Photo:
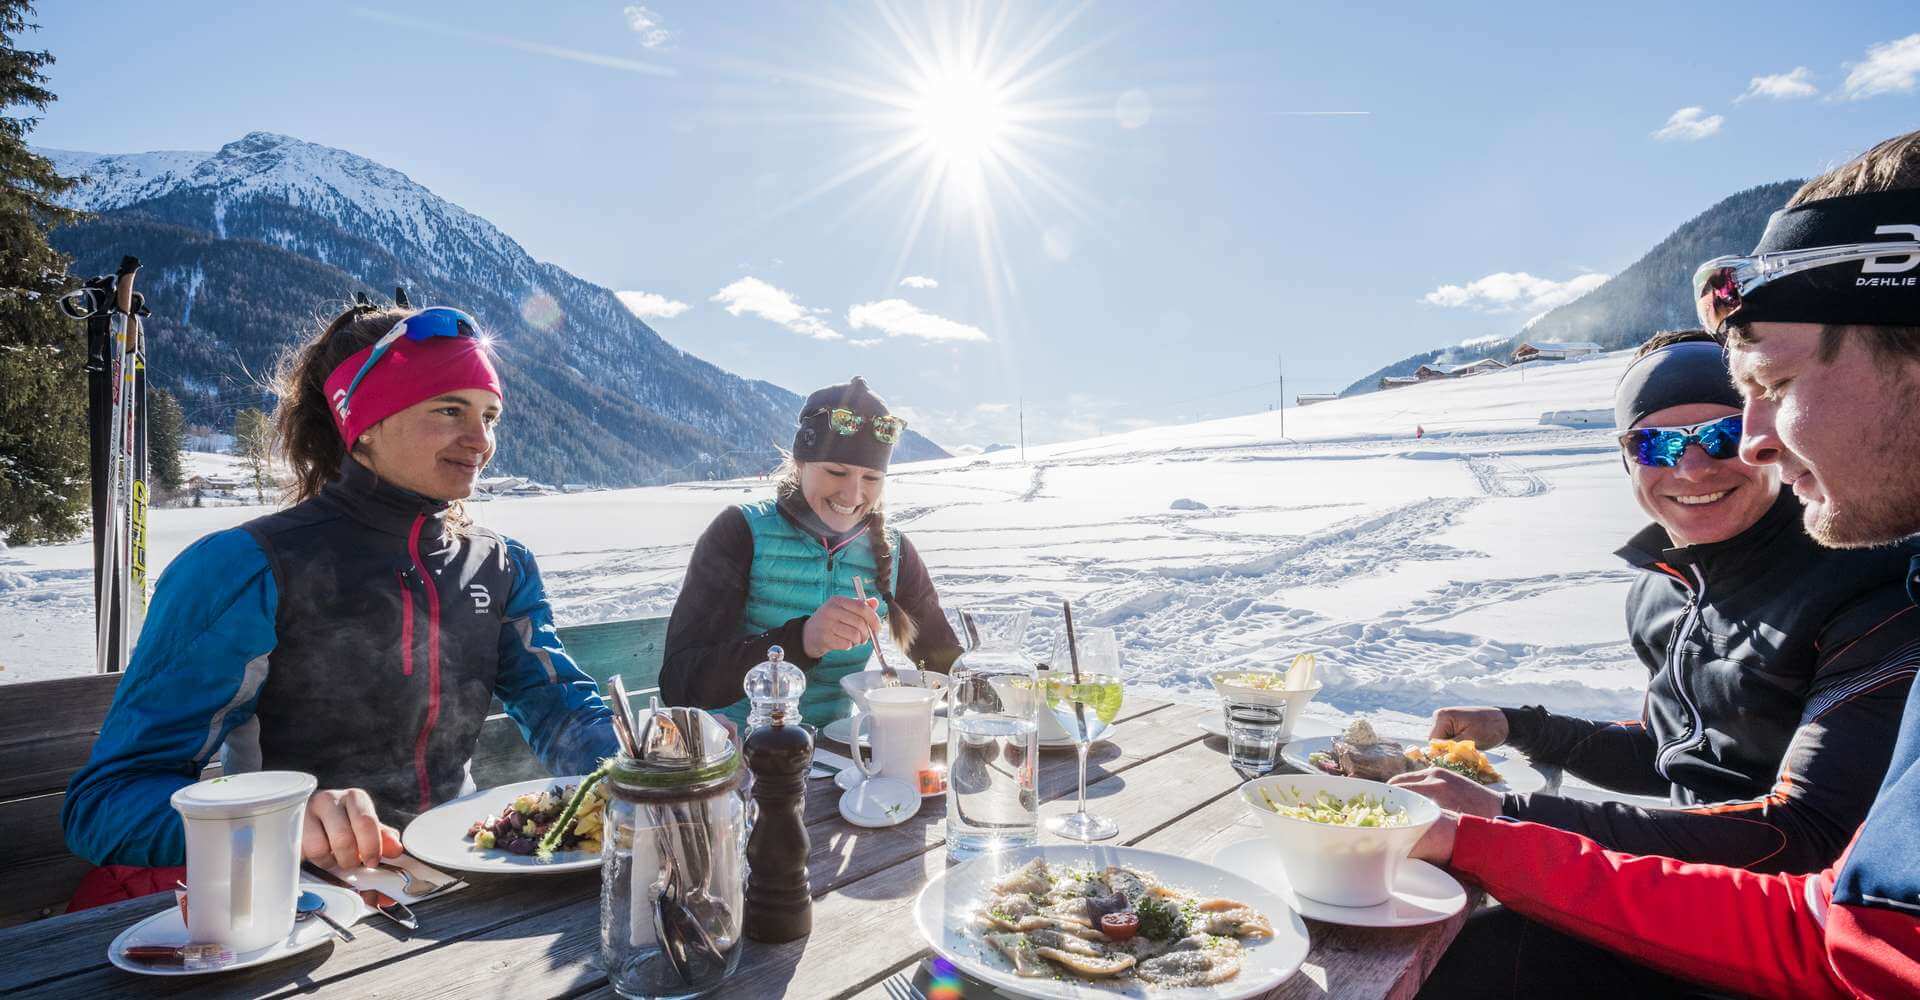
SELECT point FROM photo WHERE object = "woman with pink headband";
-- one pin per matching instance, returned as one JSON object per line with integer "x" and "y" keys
{"x": 360, "y": 634}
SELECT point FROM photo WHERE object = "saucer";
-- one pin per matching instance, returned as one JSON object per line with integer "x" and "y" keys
{"x": 167, "y": 929}
{"x": 1422, "y": 893}
{"x": 879, "y": 802}
{"x": 850, "y": 778}
{"x": 841, "y": 731}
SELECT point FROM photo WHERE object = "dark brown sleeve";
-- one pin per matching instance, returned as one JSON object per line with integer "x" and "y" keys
{"x": 706, "y": 659}
{"x": 934, "y": 645}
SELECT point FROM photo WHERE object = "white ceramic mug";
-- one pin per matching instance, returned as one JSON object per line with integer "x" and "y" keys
{"x": 243, "y": 856}
{"x": 898, "y": 724}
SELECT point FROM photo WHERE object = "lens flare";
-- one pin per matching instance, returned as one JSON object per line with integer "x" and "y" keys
{"x": 542, "y": 312}
{"x": 943, "y": 982}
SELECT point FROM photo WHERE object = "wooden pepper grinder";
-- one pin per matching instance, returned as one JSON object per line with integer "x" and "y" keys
{"x": 779, "y": 904}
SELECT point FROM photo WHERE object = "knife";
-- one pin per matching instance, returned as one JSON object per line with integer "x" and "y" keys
{"x": 388, "y": 906}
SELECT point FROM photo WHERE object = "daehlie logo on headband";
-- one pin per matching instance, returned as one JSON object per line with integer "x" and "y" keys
{"x": 1891, "y": 265}
{"x": 340, "y": 404}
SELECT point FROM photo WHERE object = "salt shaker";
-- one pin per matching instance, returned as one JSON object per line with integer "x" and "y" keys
{"x": 779, "y": 752}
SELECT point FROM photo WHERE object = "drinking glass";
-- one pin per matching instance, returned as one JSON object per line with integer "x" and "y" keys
{"x": 1253, "y": 738}
{"x": 1084, "y": 709}
{"x": 992, "y": 737}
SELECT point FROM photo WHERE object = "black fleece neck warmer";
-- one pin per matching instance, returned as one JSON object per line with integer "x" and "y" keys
{"x": 1693, "y": 371}
{"x": 1883, "y": 291}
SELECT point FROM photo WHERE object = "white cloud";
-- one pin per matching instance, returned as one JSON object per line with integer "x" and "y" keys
{"x": 1513, "y": 291}
{"x": 646, "y": 24}
{"x": 1689, "y": 125}
{"x": 993, "y": 407}
{"x": 756, "y": 297}
{"x": 1890, "y": 67}
{"x": 1781, "y": 86}
{"x": 900, "y": 318}
{"x": 651, "y": 305}
{"x": 918, "y": 281}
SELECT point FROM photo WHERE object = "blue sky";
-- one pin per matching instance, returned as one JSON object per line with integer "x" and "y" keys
{"x": 1153, "y": 219}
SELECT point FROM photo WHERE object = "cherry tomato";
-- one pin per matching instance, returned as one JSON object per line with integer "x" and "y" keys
{"x": 1119, "y": 926}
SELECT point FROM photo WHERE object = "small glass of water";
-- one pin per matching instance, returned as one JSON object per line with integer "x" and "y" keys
{"x": 1253, "y": 738}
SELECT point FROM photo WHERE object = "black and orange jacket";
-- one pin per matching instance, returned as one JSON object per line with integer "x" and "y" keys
{"x": 1778, "y": 673}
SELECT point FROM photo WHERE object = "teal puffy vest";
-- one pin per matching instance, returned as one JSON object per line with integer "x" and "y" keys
{"x": 792, "y": 575}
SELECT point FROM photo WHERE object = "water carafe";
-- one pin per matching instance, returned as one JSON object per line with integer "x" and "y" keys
{"x": 992, "y": 737}
{"x": 671, "y": 885}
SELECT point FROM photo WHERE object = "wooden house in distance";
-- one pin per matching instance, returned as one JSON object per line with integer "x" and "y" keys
{"x": 1548, "y": 350}
{"x": 1427, "y": 373}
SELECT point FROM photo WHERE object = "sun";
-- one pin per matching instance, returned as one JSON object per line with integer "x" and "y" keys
{"x": 960, "y": 118}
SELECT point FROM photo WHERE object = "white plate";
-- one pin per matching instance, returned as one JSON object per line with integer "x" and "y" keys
{"x": 166, "y": 928}
{"x": 439, "y": 835}
{"x": 942, "y": 909}
{"x": 841, "y": 731}
{"x": 1517, "y": 774}
{"x": 1422, "y": 894}
{"x": 879, "y": 802}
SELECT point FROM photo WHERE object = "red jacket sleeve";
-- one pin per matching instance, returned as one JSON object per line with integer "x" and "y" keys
{"x": 1768, "y": 935}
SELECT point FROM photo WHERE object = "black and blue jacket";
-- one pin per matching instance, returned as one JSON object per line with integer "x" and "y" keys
{"x": 355, "y": 637}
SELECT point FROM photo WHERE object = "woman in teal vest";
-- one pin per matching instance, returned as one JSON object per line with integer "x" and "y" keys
{"x": 782, "y": 571}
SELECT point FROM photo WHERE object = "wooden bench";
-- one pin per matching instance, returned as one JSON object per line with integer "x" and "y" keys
{"x": 47, "y": 729}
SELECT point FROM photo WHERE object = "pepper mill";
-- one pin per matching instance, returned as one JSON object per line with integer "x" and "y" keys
{"x": 779, "y": 904}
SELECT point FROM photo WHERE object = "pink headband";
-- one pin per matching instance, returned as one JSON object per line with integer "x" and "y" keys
{"x": 409, "y": 372}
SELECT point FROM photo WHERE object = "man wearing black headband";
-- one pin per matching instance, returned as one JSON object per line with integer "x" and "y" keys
{"x": 1828, "y": 360}
{"x": 1777, "y": 677}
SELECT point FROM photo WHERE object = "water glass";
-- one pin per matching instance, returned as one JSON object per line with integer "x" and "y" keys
{"x": 1253, "y": 738}
{"x": 992, "y": 737}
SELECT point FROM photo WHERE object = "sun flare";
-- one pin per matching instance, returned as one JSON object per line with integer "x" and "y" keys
{"x": 960, "y": 117}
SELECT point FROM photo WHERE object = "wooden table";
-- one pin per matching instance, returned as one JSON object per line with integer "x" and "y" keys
{"x": 1165, "y": 781}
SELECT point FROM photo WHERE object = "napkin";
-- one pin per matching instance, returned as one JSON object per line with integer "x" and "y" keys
{"x": 393, "y": 885}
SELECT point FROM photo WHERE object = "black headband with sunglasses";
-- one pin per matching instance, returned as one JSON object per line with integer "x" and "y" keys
{"x": 1851, "y": 260}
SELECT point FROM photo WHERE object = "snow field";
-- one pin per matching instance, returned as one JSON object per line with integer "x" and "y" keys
{"x": 1472, "y": 565}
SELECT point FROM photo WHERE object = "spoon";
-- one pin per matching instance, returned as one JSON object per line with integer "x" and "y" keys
{"x": 312, "y": 904}
{"x": 889, "y": 677}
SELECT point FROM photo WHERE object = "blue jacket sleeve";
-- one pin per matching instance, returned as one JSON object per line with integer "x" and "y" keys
{"x": 556, "y": 705}
{"x": 196, "y": 673}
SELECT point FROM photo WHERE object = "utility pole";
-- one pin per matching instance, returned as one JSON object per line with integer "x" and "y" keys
{"x": 1283, "y": 396}
{"x": 1023, "y": 430}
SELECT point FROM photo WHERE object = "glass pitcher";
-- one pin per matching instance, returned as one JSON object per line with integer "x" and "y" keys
{"x": 992, "y": 736}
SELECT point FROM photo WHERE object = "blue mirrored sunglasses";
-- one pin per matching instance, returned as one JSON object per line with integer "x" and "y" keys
{"x": 439, "y": 321}
{"x": 1661, "y": 447}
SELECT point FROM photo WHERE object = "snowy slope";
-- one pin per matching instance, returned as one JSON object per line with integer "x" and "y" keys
{"x": 1472, "y": 565}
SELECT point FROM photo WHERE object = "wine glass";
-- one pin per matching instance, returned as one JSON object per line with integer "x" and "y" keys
{"x": 1084, "y": 709}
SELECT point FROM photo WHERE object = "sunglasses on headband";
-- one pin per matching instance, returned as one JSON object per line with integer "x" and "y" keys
{"x": 845, "y": 422}
{"x": 1721, "y": 285}
{"x": 1661, "y": 447}
{"x": 439, "y": 321}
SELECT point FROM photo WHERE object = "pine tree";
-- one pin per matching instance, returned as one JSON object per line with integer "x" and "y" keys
{"x": 166, "y": 439}
{"x": 43, "y": 390}
{"x": 253, "y": 441}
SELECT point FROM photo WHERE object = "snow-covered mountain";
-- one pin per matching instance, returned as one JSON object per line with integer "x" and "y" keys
{"x": 245, "y": 246}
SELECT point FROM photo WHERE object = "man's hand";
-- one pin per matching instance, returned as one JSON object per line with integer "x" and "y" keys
{"x": 1452, "y": 791}
{"x": 841, "y": 623}
{"x": 1436, "y": 845}
{"x": 1486, "y": 727}
{"x": 343, "y": 832}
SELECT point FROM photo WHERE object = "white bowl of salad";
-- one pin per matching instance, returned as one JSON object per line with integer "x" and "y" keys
{"x": 1341, "y": 840}
{"x": 1264, "y": 687}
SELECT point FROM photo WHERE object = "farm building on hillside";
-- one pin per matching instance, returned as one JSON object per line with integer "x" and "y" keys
{"x": 1547, "y": 350}
{"x": 1310, "y": 398}
{"x": 1396, "y": 381}
{"x": 1427, "y": 373}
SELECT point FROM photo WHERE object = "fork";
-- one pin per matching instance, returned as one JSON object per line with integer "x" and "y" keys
{"x": 900, "y": 987}
{"x": 889, "y": 677}
{"x": 407, "y": 879}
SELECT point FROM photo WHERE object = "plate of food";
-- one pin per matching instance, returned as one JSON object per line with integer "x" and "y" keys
{"x": 1361, "y": 753}
{"x": 495, "y": 831}
{"x": 1084, "y": 922}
